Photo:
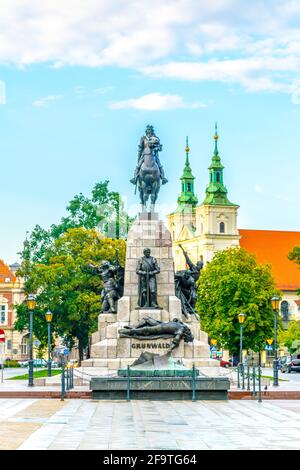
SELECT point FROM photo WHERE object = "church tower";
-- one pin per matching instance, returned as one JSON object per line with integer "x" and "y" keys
{"x": 216, "y": 217}
{"x": 182, "y": 222}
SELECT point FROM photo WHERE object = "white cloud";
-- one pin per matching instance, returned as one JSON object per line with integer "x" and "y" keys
{"x": 103, "y": 90}
{"x": 243, "y": 71}
{"x": 44, "y": 102}
{"x": 155, "y": 102}
{"x": 255, "y": 44}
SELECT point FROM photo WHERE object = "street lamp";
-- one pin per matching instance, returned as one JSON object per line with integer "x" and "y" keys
{"x": 49, "y": 316}
{"x": 275, "y": 306}
{"x": 31, "y": 301}
{"x": 241, "y": 317}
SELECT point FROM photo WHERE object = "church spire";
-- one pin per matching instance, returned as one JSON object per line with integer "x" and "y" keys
{"x": 187, "y": 197}
{"x": 216, "y": 192}
{"x": 216, "y": 137}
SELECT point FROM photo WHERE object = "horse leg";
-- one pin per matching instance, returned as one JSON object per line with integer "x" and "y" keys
{"x": 142, "y": 198}
{"x": 154, "y": 194}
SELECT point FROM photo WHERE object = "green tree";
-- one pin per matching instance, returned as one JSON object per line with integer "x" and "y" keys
{"x": 232, "y": 283}
{"x": 67, "y": 287}
{"x": 290, "y": 338}
{"x": 103, "y": 211}
{"x": 294, "y": 255}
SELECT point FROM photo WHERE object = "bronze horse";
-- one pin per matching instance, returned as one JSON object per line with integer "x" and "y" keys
{"x": 149, "y": 173}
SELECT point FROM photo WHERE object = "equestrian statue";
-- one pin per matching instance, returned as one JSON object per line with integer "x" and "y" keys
{"x": 149, "y": 173}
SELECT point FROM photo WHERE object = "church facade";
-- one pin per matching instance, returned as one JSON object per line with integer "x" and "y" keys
{"x": 204, "y": 229}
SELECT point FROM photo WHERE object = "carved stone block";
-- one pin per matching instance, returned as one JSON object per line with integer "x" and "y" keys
{"x": 111, "y": 331}
{"x": 95, "y": 337}
{"x": 123, "y": 347}
{"x": 175, "y": 307}
{"x": 111, "y": 348}
{"x": 153, "y": 313}
{"x": 99, "y": 350}
{"x": 113, "y": 364}
{"x": 188, "y": 350}
{"x": 124, "y": 308}
{"x": 201, "y": 349}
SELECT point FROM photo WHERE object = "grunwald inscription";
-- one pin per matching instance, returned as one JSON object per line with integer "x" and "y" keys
{"x": 150, "y": 345}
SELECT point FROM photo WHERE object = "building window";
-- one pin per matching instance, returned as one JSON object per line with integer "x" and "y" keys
{"x": 222, "y": 227}
{"x": 3, "y": 314}
{"x": 218, "y": 177}
{"x": 284, "y": 310}
{"x": 24, "y": 345}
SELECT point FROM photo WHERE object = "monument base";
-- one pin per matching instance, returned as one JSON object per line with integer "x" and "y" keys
{"x": 159, "y": 388}
{"x": 110, "y": 349}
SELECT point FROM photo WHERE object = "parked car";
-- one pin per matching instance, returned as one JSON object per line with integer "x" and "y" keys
{"x": 282, "y": 361}
{"x": 224, "y": 363}
{"x": 292, "y": 364}
{"x": 36, "y": 363}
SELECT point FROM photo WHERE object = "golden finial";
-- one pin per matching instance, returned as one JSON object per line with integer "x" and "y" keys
{"x": 216, "y": 132}
{"x": 187, "y": 145}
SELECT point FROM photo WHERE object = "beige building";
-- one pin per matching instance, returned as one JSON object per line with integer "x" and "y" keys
{"x": 204, "y": 229}
{"x": 11, "y": 293}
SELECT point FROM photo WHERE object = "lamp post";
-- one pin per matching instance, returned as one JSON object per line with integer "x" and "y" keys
{"x": 49, "y": 316}
{"x": 241, "y": 318}
{"x": 275, "y": 306}
{"x": 31, "y": 306}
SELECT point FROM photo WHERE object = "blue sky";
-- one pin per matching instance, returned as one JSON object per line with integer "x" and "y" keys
{"x": 80, "y": 81}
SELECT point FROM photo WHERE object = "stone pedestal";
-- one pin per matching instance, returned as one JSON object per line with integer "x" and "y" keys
{"x": 108, "y": 349}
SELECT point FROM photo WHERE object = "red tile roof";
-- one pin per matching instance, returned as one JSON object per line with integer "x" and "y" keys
{"x": 272, "y": 247}
{"x": 6, "y": 273}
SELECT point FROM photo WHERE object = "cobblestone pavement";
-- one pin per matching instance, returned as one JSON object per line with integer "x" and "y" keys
{"x": 85, "y": 424}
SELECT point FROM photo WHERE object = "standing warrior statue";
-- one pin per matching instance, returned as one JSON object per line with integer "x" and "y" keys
{"x": 186, "y": 287}
{"x": 111, "y": 275}
{"x": 149, "y": 173}
{"x": 194, "y": 268}
{"x": 147, "y": 268}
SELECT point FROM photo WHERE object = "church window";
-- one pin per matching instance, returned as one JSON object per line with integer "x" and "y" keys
{"x": 2, "y": 313}
{"x": 284, "y": 310}
{"x": 222, "y": 227}
{"x": 211, "y": 177}
{"x": 189, "y": 187}
{"x": 218, "y": 177}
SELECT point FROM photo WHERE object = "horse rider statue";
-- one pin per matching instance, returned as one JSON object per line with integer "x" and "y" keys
{"x": 149, "y": 173}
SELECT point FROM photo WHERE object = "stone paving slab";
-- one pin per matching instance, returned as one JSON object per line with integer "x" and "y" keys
{"x": 19, "y": 419}
{"x": 151, "y": 425}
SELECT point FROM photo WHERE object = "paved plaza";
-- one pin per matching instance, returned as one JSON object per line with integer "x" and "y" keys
{"x": 176, "y": 425}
